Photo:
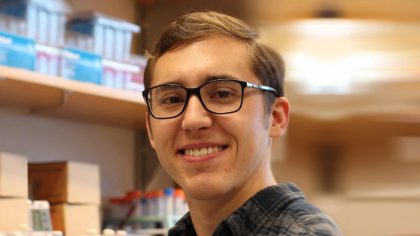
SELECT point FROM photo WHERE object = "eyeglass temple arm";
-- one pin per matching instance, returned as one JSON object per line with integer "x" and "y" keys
{"x": 262, "y": 87}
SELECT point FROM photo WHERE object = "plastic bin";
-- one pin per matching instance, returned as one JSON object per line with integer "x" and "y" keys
{"x": 40, "y": 20}
{"x": 136, "y": 82}
{"x": 119, "y": 75}
{"x": 107, "y": 36}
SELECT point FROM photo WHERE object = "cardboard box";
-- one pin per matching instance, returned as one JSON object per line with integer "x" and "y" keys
{"x": 81, "y": 66}
{"x": 14, "y": 214}
{"x": 47, "y": 59}
{"x": 75, "y": 220}
{"x": 65, "y": 182}
{"x": 13, "y": 175}
{"x": 117, "y": 74}
{"x": 17, "y": 51}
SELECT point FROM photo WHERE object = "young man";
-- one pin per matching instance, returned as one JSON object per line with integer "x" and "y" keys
{"x": 215, "y": 102}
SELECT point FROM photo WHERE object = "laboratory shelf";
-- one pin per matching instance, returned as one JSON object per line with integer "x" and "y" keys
{"x": 34, "y": 93}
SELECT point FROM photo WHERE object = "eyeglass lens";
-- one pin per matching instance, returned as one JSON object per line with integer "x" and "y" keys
{"x": 223, "y": 96}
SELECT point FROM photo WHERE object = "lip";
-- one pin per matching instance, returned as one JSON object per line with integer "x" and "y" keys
{"x": 199, "y": 146}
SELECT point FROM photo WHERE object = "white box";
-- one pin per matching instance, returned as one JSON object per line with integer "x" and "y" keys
{"x": 118, "y": 75}
{"x": 47, "y": 59}
{"x": 75, "y": 220}
{"x": 14, "y": 214}
{"x": 13, "y": 175}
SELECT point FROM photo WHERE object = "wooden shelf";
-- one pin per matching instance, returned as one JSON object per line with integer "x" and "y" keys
{"x": 36, "y": 93}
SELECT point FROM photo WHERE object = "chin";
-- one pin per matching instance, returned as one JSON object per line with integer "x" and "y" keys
{"x": 206, "y": 190}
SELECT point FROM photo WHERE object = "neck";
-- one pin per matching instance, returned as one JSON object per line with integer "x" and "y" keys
{"x": 208, "y": 214}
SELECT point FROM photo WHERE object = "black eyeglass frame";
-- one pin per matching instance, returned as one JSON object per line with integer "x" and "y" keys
{"x": 196, "y": 91}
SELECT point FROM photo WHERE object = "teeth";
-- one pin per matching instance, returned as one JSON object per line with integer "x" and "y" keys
{"x": 198, "y": 152}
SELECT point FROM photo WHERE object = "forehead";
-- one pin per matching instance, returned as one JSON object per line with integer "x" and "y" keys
{"x": 191, "y": 64}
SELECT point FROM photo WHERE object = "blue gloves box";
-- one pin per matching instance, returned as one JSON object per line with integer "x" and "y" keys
{"x": 17, "y": 51}
{"x": 81, "y": 66}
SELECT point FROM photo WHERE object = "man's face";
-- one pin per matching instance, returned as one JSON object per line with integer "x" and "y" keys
{"x": 237, "y": 143}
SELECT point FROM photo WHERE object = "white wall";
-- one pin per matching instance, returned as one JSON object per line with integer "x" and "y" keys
{"x": 48, "y": 139}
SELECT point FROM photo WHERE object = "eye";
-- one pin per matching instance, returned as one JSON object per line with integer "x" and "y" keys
{"x": 222, "y": 94}
{"x": 172, "y": 99}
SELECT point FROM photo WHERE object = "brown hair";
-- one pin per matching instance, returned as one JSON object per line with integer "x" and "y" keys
{"x": 267, "y": 64}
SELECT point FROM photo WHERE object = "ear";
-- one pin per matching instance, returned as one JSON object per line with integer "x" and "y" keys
{"x": 149, "y": 130}
{"x": 279, "y": 117}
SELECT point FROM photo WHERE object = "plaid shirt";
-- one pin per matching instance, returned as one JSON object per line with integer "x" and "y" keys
{"x": 276, "y": 210}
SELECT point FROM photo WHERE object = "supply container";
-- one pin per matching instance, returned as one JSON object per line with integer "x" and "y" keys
{"x": 127, "y": 206}
{"x": 81, "y": 66}
{"x": 48, "y": 59}
{"x": 40, "y": 20}
{"x": 180, "y": 203}
{"x": 40, "y": 216}
{"x": 136, "y": 80}
{"x": 17, "y": 51}
{"x": 101, "y": 34}
{"x": 169, "y": 201}
{"x": 119, "y": 75}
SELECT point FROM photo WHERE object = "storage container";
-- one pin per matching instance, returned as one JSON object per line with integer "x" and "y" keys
{"x": 101, "y": 34}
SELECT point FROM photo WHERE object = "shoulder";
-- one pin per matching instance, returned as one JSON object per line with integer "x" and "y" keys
{"x": 283, "y": 210}
{"x": 184, "y": 226}
{"x": 303, "y": 218}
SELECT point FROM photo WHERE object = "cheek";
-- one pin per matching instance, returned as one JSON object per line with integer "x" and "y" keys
{"x": 163, "y": 131}
{"x": 254, "y": 137}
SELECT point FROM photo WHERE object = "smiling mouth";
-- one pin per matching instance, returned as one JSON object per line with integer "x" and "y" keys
{"x": 200, "y": 152}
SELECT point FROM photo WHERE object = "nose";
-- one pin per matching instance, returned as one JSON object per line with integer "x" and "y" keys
{"x": 196, "y": 117}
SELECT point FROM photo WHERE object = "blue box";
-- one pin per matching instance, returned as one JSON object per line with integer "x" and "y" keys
{"x": 17, "y": 51}
{"x": 81, "y": 66}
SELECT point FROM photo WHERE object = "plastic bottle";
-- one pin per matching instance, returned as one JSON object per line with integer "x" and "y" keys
{"x": 160, "y": 203}
{"x": 180, "y": 203}
{"x": 169, "y": 201}
{"x": 144, "y": 206}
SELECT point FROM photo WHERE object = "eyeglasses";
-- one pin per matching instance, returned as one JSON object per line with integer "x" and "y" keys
{"x": 219, "y": 96}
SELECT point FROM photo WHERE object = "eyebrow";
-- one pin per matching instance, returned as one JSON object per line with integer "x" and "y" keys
{"x": 223, "y": 76}
{"x": 206, "y": 80}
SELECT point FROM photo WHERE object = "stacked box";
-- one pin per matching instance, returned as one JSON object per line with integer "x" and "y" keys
{"x": 73, "y": 190}
{"x": 13, "y": 175}
{"x": 68, "y": 63}
{"x": 48, "y": 60}
{"x": 17, "y": 51}
{"x": 75, "y": 219}
{"x": 136, "y": 84}
{"x": 14, "y": 214}
{"x": 81, "y": 66}
{"x": 119, "y": 75}
{"x": 103, "y": 35}
{"x": 40, "y": 20}
{"x": 14, "y": 208}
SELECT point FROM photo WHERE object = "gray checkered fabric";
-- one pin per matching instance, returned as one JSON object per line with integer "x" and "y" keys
{"x": 276, "y": 210}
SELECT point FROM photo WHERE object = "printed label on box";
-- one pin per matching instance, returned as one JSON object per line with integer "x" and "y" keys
{"x": 16, "y": 51}
{"x": 81, "y": 66}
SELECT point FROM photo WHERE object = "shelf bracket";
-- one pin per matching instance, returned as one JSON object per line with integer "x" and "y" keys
{"x": 64, "y": 100}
